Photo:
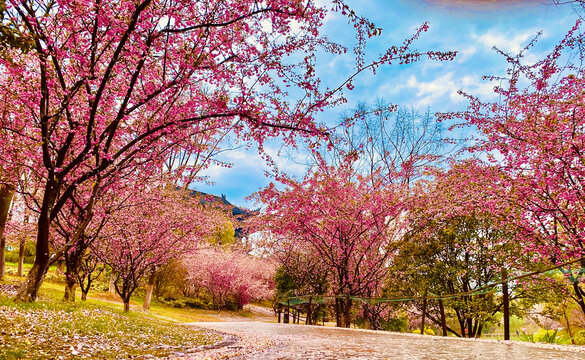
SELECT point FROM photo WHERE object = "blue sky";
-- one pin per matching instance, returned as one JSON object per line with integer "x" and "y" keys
{"x": 472, "y": 28}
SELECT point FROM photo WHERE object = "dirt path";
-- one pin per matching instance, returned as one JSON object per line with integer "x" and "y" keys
{"x": 264, "y": 341}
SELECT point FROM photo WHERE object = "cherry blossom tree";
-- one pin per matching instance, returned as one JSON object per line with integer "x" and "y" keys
{"x": 350, "y": 220}
{"x": 230, "y": 276}
{"x": 147, "y": 231}
{"x": 106, "y": 85}
{"x": 535, "y": 135}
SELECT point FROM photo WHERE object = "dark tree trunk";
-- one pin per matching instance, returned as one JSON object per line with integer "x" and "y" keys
{"x": 439, "y": 323}
{"x": 580, "y": 296}
{"x": 30, "y": 287}
{"x": 126, "y": 305}
{"x": 478, "y": 332}
{"x": 6, "y": 194}
{"x": 84, "y": 287}
{"x": 309, "y": 320}
{"x": 21, "y": 258}
{"x": 443, "y": 319}
{"x": 338, "y": 312}
{"x": 424, "y": 310}
{"x": 2, "y": 257}
{"x": 347, "y": 312}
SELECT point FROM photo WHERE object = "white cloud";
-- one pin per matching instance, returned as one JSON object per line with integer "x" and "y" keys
{"x": 507, "y": 42}
{"x": 445, "y": 89}
{"x": 465, "y": 54}
{"x": 438, "y": 87}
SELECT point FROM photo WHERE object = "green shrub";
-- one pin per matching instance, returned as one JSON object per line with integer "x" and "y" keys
{"x": 398, "y": 324}
{"x": 546, "y": 336}
{"x": 29, "y": 254}
{"x": 195, "y": 303}
{"x": 428, "y": 331}
{"x": 12, "y": 257}
{"x": 580, "y": 337}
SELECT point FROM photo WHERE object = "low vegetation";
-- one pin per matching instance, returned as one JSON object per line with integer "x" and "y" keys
{"x": 97, "y": 328}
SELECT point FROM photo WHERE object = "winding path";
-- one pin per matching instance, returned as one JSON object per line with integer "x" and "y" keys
{"x": 260, "y": 340}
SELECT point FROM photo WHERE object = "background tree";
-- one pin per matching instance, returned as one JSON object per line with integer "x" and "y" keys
{"x": 147, "y": 232}
{"x": 230, "y": 276}
{"x": 349, "y": 220}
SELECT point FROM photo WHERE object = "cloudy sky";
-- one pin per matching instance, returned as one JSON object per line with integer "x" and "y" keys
{"x": 471, "y": 27}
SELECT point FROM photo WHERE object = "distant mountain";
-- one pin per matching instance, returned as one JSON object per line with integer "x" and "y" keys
{"x": 240, "y": 214}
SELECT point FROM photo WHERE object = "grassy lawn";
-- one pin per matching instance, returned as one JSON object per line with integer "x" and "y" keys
{"x": 96, "y": 328}
{"x": 50, "y": 328}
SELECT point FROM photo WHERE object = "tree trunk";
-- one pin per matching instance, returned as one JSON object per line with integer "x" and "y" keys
{"x": 126, "y": 305}
{"x": 439, "y": 323}
{"x": 580, "y": 296}
{"x": 308, "y": 319}
{"x": 6, "y": 195}
{"x": 479, "y": 330}
{"x": 443, "y": 319}
{"x": 337, "y": 312}
{"x": 30, "y": 288}
{"x": 149, "y": 289}
{"x": 2, "y": 256}
{"x": 84, "y": 295}
{"x": 111, "y": 286}
{"x": 70, "y": 286}
{"x": 22, "y": 249}
{"x": 21, "y": 258}
{"x": 347, "y": 312}
{"x": 424, "y": 310}
{"x": 506, "y": 301}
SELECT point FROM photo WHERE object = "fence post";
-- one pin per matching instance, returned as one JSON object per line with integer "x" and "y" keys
{"x": 424, "y": 310}
{"x": 506, "y": 304}
{"x": 308, "y": 319}
{"x": 286, "y": 312}
{"x": 443, "y": 320}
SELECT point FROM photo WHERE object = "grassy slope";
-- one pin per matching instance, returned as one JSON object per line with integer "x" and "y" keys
{"x": 97, "y": 328}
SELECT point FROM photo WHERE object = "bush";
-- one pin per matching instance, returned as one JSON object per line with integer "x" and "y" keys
{"x": 546, "y": 336}
{"x": 194, "y": 303}
{"x": 29, "y": 254}
{"x": 398, "y": 324}
{"x": 12, "y": 257}
{"x": 580, "y": 337}
{"x": 428, "y": 331}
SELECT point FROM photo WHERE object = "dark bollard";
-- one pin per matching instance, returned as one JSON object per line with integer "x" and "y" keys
{"x": 424, "y": 310}
{"x": 286, "y": 313}
{"x": 506, "y": 304}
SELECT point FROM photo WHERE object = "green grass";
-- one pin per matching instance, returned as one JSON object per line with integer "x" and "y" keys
{"x": 97, "y": 328}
